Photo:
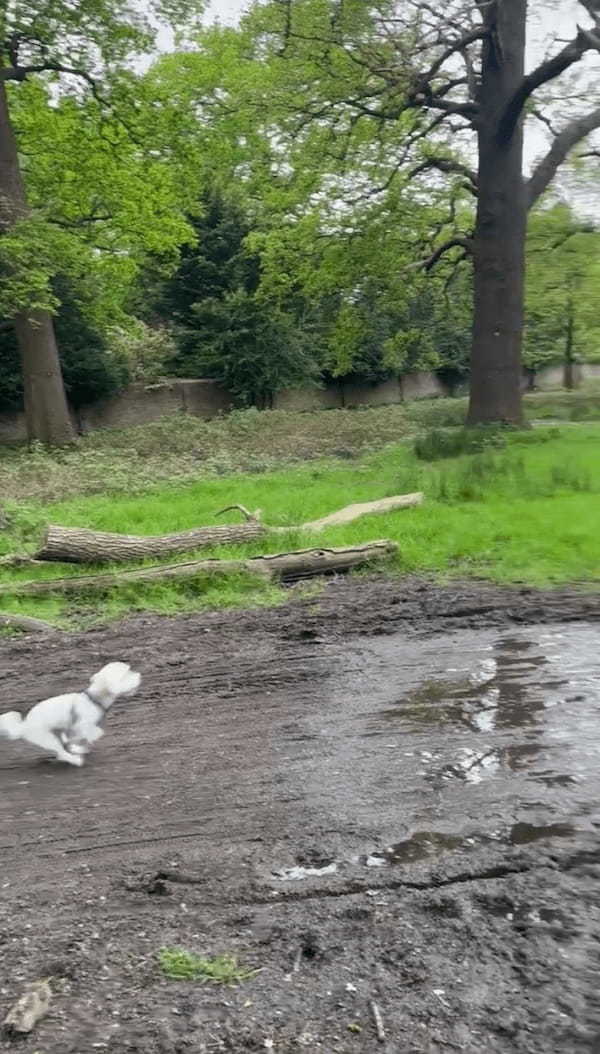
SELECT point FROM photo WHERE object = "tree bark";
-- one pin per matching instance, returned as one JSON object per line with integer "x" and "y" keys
{"x": 78, "y": 545}
{"x": 46, "y": 409}
{"x": 286, "y": 566}
{"x": 499, "y": 240}
{"x": 569, "y": 364}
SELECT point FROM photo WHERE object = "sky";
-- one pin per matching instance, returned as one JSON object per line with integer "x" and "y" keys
{"x": 226, "y": 10}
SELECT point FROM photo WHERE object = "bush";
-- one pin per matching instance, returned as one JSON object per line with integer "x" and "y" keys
{"x": 253, "y": 352}
{"x": 146, "y": 351}
{"x": 440, "y": 443}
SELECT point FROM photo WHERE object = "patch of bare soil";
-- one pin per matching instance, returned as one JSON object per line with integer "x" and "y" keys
{"x": 387, "y": 796}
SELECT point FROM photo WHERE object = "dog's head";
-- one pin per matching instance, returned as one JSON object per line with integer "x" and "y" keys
{"x": 113, "y": 680}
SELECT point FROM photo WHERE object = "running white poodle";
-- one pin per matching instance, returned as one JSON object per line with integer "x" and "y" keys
{"x": 67, "y": 725}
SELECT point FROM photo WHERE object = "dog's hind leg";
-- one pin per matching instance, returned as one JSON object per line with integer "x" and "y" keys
{"x": 41, "y": 737}
{"x": 90, "y": 732}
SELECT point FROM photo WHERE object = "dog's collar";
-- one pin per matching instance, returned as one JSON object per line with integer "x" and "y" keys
{"x": 95, "y": 701}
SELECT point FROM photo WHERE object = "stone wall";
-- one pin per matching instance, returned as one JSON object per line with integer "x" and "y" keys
{"x": 141, "y": 403}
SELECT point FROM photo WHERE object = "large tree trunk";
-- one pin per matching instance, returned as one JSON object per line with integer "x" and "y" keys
{"x": 46, "y": 409}
{"x": 499, "y": 242}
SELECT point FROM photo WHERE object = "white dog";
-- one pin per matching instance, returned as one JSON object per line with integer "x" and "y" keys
{"x": 67, "y": 725}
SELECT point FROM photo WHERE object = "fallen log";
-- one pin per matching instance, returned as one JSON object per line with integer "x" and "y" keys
{"x": 79, "y": 545}
{"x": 26, "y": 623}
{"x": 286, "y": 566}
{"x": 365, "y": 508}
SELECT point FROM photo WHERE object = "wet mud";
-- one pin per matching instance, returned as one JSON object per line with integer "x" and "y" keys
{"x": 385, "y": 800}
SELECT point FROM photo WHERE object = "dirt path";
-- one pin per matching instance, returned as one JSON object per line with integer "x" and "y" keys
{"x": 431, "y": 752}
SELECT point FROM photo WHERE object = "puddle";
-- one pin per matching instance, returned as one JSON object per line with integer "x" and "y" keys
{"x": 490, "y": 733}
{"x": 293, "y": 874}
{"x": 526, "y": 833}
{"x": 422, "y": 845}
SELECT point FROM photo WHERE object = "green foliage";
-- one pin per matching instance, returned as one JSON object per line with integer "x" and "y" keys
{"x": 91, "y": 370}
{"x": 98, "y": 194}
{"x": 214, "y": 264}
{"x": 222, "y": 325}
{"x": 251, "y": 348}
{"x": 563, "y": 272}
{"x": 146, "y": 351}
{"x": 179, "y": 965}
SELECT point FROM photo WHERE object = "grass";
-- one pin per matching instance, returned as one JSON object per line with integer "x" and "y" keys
{"x": 179, "y": 449}
{"x": 179, "y": 965}
{"x": 523, "y": 508}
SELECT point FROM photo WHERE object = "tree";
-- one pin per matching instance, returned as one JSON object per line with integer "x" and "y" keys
{"x": 89, "y": 368}
{"x": 427, "y": 77}
{"x": 563, "y": 273}
{"x": 74, "y": 44}
{"x": 223, "y": 325}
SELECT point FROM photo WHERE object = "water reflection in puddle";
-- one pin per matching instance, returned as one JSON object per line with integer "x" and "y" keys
{"x": 422, "y": 845}
{"x": 492, "y": 734}
{"x": 499, "y": 690}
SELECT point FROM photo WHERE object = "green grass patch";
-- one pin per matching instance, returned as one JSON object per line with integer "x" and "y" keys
{"x": 180, "y": 448}
{"x": 179, "y": 965}
{"x": 524, "y": 510}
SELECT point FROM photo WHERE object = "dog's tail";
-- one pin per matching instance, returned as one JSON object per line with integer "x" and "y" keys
{"x": 11, "y": 725}
{"x": 113, "y": 680}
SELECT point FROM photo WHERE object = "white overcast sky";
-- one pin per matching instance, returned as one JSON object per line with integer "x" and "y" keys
{"x": 227, "y": 10}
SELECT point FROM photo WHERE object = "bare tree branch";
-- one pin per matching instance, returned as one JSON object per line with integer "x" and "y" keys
{"x": 586, "y": 40}
{"x": 558, "y": 152}
{"x": 21, "y": 73}
{"x": 423, "y": 81}
{"x": 544, "y": 119}
{"x": 448, "y": 166}
{"x": 431, "y": 101}
{"x": 456, "y": 242}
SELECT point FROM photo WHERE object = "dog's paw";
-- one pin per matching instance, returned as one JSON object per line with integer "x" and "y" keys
{"x": 74, "y": 759}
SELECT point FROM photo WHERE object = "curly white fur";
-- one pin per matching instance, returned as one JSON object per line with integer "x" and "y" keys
{"x": 67, "y": 725}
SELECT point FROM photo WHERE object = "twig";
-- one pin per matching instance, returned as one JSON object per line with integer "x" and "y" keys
{"x": 377, "y": 1018}
{"x": 244, "y": 511}
{"x": 297, "y": 961}
{"x": 17, "y": 560}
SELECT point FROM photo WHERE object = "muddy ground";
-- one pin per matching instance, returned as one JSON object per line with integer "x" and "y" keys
{"x": 388, "y": 794}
